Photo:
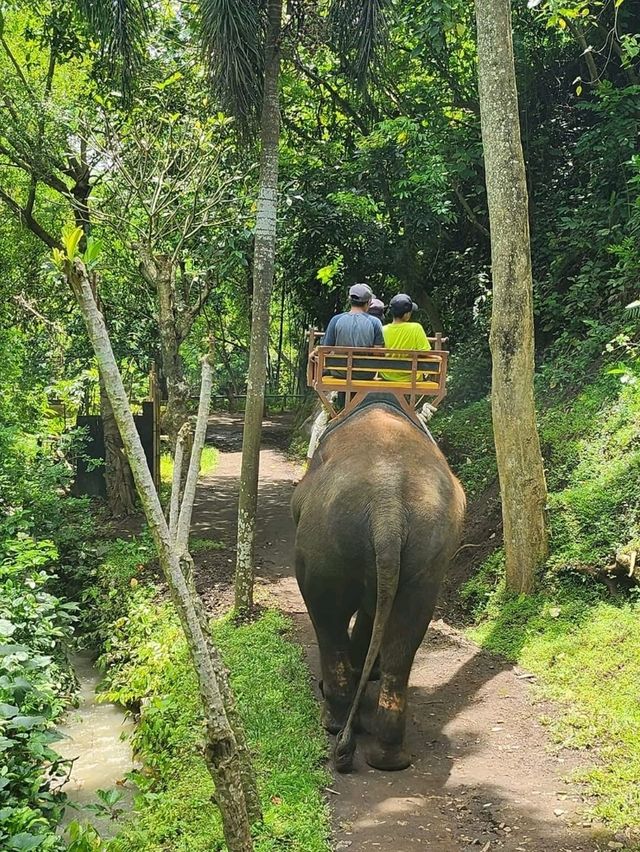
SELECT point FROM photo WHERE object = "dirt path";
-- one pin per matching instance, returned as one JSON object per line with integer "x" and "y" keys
{"x": 483, "y": 777}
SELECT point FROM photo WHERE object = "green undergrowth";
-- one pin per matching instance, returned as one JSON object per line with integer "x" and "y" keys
{"x": 466, "y": 437}
{"x": 581, "y": 642}
{"x": 148, "y": 669}
{"x": 591, "y": 445}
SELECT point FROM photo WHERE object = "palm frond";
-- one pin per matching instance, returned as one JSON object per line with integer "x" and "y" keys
{"x": 634, "y": 309}
{"x": 122, "y": 28}
{"x": 359, "y": 30}
{"x": 233, "y": 33}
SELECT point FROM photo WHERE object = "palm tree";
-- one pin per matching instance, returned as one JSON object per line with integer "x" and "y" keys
{"x": 242, "y": 44}
{"x": 242, "y": 41}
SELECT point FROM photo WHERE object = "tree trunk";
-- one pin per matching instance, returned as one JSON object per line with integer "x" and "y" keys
{"x": 263, "y": 265}
{"x": 121, "y": 492}
{"x": 221, "y": 748}
{"x": 280, "y": 336}
{"x": 520, "y": 468}
{"x": 121, "y": 495}
{"x": 172, "y": 364}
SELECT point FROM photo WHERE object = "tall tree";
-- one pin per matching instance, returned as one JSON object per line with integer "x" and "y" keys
{"x": 263, "y": 266}
{"x": 520, "y": 467}
{"x": 175, "y": 230}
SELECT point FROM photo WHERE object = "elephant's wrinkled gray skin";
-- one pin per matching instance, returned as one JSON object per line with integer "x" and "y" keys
{"x": 379, "y": 515}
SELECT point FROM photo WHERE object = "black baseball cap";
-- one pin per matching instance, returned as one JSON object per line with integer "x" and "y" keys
{"x": 402, "y": 304}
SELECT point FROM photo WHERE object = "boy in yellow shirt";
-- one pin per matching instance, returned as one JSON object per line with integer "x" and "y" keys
{"x": 403, "y": 334}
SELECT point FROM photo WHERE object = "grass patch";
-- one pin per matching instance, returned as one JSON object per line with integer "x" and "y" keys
{"x": 586, "y": 653}
{"x": 208, "y": 464}
{"x": 583, "y": 644}
{"x": 205, "y": 545}
{"x": 148, "y": 668}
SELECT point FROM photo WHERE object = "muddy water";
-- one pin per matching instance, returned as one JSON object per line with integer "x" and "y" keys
{"x": 93, "y": 735}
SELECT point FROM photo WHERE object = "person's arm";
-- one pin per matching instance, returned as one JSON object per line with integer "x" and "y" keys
{"x": 422, "y": 339}
{"x": 378, "y": 339}
{"x": 329, "y": 338}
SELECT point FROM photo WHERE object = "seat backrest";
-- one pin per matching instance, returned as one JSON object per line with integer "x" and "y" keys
{"x": 340, "y": 363}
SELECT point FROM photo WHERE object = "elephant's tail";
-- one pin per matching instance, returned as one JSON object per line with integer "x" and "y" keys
{"x": 387, "y": 550}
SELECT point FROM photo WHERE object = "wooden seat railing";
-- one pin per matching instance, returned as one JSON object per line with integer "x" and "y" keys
{"x": 355, "y": 372}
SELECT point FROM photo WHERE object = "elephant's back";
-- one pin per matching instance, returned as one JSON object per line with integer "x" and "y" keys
{"x": 374, "y": 463}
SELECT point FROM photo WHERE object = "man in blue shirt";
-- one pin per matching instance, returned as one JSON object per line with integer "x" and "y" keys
{"x": 355, "y": 327}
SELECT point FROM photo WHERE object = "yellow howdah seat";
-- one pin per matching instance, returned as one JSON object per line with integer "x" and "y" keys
{"x": 354, "y": 373}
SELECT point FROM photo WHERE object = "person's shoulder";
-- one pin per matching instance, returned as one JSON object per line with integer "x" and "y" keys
{"x": 419, "y": 334}
{"x": 375, "y": 320}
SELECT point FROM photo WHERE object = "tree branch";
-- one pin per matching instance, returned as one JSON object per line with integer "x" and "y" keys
{"x": 26, "y": 218}
{"x": 200, "y": 433}
{"x": 337, "y": 97}
{"x": 187, "y": 321}
{"x": 471, "y": 216}
{"x": 576, "y": 32}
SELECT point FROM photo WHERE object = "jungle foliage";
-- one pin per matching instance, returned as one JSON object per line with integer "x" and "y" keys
{"x": 383, "y": 183}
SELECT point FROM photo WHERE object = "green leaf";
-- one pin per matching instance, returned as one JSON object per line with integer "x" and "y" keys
{"x": 92, "y": 252}
{"x": 25, "y": 841}
{"x": 110, "y": 797}
{"x": 9, "y": 650}
{"x": 8, "y": 710}
{"x": 6, "y": 627}
{"x": 71, "y": 236}
{"x": 26, "y": 723}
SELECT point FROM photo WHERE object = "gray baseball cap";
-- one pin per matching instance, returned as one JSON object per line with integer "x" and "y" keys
{"x": 360, "y": 293}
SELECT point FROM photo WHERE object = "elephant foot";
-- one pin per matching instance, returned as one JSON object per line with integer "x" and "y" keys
{"x": 333, "y": 721}
{"x": 387, "y": 758}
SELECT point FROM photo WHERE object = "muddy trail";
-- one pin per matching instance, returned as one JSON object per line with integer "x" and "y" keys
{"x": 483, "y": 775}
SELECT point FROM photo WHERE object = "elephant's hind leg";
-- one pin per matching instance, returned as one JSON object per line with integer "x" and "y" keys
{"x": 331, "y": 608}
{"x": 405, "y": 631}
{"x": 360, "y": 639}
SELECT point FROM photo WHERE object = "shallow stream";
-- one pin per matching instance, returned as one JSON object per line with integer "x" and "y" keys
{"x": 93, "y": 735}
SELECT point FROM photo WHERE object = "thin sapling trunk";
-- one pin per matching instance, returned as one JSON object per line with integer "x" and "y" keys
{"x": 221, "y": 748}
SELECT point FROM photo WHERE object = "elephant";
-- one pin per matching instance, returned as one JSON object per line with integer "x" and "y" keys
{"x": 378, "y": 517}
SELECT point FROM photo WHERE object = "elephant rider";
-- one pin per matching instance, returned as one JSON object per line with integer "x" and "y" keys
{"x": 376, "y": 308}
{"x": 355, "y": 328}
{"x": 402, "y": 333}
